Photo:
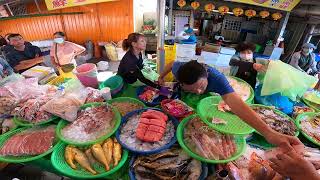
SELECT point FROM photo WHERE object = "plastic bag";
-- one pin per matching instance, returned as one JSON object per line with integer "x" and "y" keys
{"x": 24, "y": 89}
{"x": 281, "y": 103}
{"x": 111, "y": 51}
{"x": 11, "y": 78}
{"x": 150, "y": 74}
{"x": 285, "y": 79}
{"x": 94, "y": 95}
{"x": 68, "y": 100}
{"x": 31, "y": 111}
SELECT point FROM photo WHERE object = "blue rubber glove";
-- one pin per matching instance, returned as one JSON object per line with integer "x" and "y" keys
{"x": 164, "y": 91}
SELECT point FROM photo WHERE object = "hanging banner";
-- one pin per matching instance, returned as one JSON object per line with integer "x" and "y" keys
{"x": 285, "y": 5}
{"x": 58, "y": 4}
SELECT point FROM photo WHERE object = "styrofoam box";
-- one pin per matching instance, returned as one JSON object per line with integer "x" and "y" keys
{"x": 226, "y": 50}
{"x": 186, "y": 50}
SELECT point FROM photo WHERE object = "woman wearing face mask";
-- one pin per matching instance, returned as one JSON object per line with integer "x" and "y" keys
{"x": 243, "y": 64}
{"x": 63, "y": 53}
{"x": 132, "y": 63}
{"x": 304, "y": 60}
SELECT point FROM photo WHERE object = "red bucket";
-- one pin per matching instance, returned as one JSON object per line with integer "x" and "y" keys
{"x": 87, "y": 74}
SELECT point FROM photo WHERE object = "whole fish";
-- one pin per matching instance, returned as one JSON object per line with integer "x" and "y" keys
{"x": 88, "y": 153}
{"x": 98, "y": 153}
{"x": 82, "y": 159}
{"x": 69, "y": 156}
{"x": 108, "y": 149}
{"x": 116, "y": 152}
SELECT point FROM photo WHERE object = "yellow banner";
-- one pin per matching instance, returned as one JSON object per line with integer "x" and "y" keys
{"x": 58, "y": 4}
{"x": 284, "y": 5}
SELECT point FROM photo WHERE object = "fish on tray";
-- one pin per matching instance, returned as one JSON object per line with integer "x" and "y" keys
{"x": 152, "y": 126}
{"x": 147, "y": 131}
{"x": 311, "y": 126}
{"x": 223, "y": 107}
{"x": 31, "y": 111}
{"x": 299, "y": 110}
{"x": 254, "y": 164}
{"x": 218, "y": 121}
{"x": 32, "y": 141}
{"x": 207, "y": 142}
{"x": 126, "y": 107}
{"x": 149, "y": 94}
{"x": 242, "y": 89}
{"x": 279, "y": 123}
{"x": 176, "y": 108}
{"x": 92, "y": 123}
{"x": 172, "y": 164}
{"x": 93, "y": 156}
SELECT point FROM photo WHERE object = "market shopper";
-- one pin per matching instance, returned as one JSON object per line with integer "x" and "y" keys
{"x": 132, "y": 63}
{"x": 187, "y": 35}
{"x": 63, "y": 54}
{"x": 304, "y": 60}
{"x": 243, "y": 65}
{"x": 5, "y": 69}
{"x": 23, "y": 56}
{"x": 292, "y": 165}
{"x": 199, "y": 79}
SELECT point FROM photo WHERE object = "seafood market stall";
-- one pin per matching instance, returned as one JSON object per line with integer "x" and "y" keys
{"x": 132, "y": 132}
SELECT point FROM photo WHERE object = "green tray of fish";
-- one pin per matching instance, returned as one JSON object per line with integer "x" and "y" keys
{"x": 21, "y": 122}
{"x": 64, "y": 123}
{"x": 59, "y": 163}
{"x": 21, "y": 159}
{"x": 128, "y": 100}
{"x": 251, "y": 96}
{"x": 300, "y": 118}
{"x": 276, "y": 111}
{"x": 239, "y": 142}
{"x": 234, "y": 125}
{"x": 312, "y": 105}
{"x": 217, "y": 99}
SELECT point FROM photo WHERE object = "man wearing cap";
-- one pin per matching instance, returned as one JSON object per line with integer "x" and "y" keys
{"x": 304, "y": 60}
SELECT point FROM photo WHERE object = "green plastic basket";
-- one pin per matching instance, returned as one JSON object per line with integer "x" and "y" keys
{"x": 113, "y": 83}
{"x": 21, "y": 122}
{"x": 20, "y": 159}
{"x": 251, "y": 97}
{"x": 127, "y": 99}
{"x": 63, "y": 123}
{"x": 314, "y": 106}
{"x": 299, "y": 118}
{"x": 193, "y": 100}
{"x": 59, "y": 163}
{"x": 239, "y": 140}
{"x": 216, "y": 100}
{"x": 207, "y": 110}
{"x": 277, "y": 112}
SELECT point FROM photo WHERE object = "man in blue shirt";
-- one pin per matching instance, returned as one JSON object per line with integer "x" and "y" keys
{"x": 212, "y": 80}
{"x": 199, "y": 78}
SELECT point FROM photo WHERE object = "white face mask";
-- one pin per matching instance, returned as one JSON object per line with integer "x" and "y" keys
{"x": 58, "y": 40}
{"x": 307, "y": 50}
{"x": 186, "y": 28}
{"x": 246, "y": 56}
